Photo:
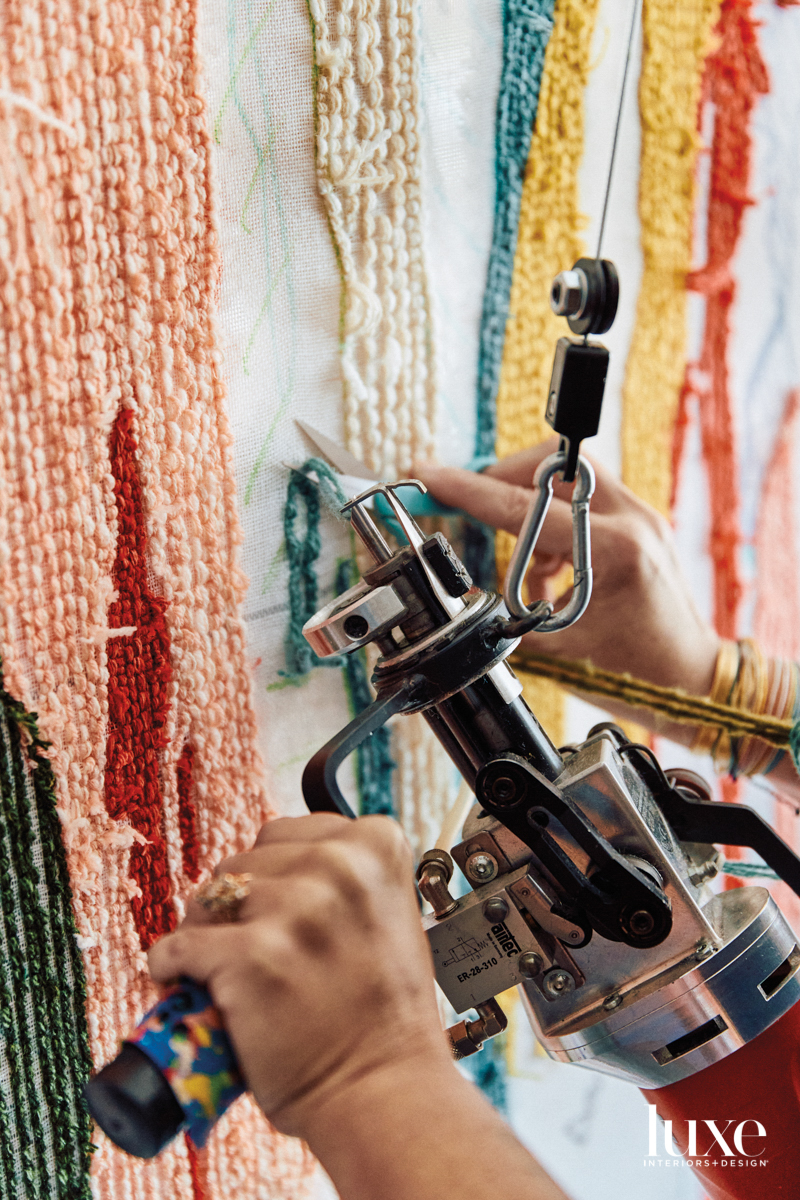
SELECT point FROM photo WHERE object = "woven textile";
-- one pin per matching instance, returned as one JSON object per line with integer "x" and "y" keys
{"x": 119, "y": 584}
{"x": 734, "y": 78}
{"x": 676, "y": 35}
{"x": 368, "y": 168}
{"x": 526, "y": 32}
{"x": 44, "y": 1050}
{"x": 548, "y": 242}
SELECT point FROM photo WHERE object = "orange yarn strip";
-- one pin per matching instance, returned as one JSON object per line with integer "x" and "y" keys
{"x": 735, "y": 76}
{"x": 108, "y": 274}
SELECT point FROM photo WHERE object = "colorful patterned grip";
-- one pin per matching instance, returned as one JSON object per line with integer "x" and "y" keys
{"x": 183, "y": 1036}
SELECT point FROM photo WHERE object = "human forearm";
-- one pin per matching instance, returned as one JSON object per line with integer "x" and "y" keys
{"x": 461, "y": 1147}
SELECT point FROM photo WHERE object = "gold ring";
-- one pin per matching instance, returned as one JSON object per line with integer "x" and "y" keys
{"x": 224, "y": 895}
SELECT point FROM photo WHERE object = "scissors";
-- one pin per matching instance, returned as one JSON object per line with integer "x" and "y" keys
{"x": 356, "y": 478}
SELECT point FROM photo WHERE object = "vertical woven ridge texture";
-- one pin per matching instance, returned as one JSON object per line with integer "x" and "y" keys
{"x": 527, "y": 25}
{"x": 676, "y": 38}
{"x": 548, "y": 241}
{"x": 368, "y": 170}
{"x": 108, "y": 271}
{"x": 44, "y": 1049}
{"x": 735, "y": 76}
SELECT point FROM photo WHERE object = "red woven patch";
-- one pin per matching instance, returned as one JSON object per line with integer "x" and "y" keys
{"x": 139, "y": 675}
{"x": 187, "y": 815}
{"x": 735, "y": 75}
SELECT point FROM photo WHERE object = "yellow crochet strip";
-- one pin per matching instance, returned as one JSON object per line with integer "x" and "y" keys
{"x": 672, "y": 703}
{"x": 676, "y": 38}
{"x": 547, "y": 242}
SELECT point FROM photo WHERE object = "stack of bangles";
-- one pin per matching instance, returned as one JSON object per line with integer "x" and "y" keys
{"x": 745, "y": 679}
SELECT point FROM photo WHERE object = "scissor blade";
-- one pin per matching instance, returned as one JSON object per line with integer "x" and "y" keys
{"x": 344, "y": 462}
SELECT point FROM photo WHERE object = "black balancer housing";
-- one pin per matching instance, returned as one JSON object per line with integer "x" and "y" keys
{"x": 576, "y": 394}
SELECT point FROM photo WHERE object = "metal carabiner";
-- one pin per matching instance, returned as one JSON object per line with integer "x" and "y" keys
{"x": 540, "y": 617}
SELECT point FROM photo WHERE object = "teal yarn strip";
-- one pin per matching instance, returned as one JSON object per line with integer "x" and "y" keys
{"x": 45, "y": 1131}
{"x": 742, "y": 870}
{"x": 303, "y": 545}
{"x": 374, "y": 764}
{"x": 527, "y": 25}
{"x": 488, "y": 1070}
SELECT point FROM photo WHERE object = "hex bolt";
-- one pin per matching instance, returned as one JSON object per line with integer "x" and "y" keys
{"x": 480, "y": 867}
{"x": 568, "y": 293}
{"x": 495, "y": 910}
{"x": 557, "y": 982}
{"x": 529, "y": 964}
{"x": 612, "y": 1002}
{"x": 434, "y": 872}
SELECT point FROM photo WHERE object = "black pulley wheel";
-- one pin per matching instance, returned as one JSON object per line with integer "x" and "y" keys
{"x": 602, "y": 296}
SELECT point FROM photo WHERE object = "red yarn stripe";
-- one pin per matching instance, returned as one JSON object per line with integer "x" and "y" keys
{"x": 734, "y": 77}
{"x": 195, "y": 1171}
{"x": 139, "y": 675}
{"x": 187, "y": 815}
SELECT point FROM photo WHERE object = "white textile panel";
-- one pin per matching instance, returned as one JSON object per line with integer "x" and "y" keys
{"x": 280, "y": 301}
{"x": 279, "y": 312}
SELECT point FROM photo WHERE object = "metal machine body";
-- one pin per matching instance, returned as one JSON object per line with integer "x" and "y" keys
{"x": 588, "y": 868}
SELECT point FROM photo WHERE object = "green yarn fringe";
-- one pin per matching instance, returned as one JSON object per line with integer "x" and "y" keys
{"x": 374, "y": 764}
{"x": 45, "y": 1130}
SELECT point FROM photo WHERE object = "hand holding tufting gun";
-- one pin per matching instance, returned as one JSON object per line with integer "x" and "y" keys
{"x": 586, "y": 869}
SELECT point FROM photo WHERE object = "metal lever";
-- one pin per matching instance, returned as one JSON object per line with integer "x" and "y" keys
{"x": 541, "y": 616}
{"x": 452, "y": 605}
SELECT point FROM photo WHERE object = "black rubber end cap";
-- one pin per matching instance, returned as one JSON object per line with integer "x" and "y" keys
{"x": 133, "y": 1104}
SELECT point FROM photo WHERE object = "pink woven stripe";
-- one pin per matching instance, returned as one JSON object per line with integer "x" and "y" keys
{"x": 108, "y": 271}
{"x": 776, "y": 621}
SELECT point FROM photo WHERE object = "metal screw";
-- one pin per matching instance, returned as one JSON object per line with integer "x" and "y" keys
{"x": 641, "y": 922}
{"x": 703, "y": 949}
{"x": 529, "y": 964}
{"x": 481, "y": 867}
{"x": 612, "y": 1002}
{"x": 504, "y": 790}
{"x": 495, "y": 910}
{"x": 557, "y": 982}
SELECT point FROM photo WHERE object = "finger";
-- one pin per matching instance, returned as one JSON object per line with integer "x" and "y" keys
{"x": 611, "y": 495}
{"x": 546, "y": 565}
{"x": 500, "y": 504}
{"x": 519, "y": 468}
{"x": 193, "y": 950}
{"x": 312, "y": 828}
